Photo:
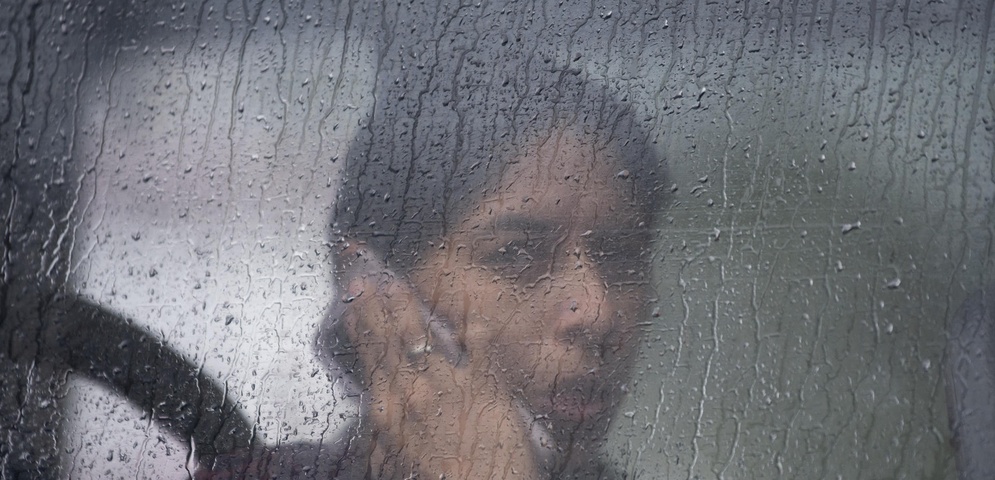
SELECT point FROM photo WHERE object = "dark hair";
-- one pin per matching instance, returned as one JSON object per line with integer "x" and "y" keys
{"x": 427, "y": 157}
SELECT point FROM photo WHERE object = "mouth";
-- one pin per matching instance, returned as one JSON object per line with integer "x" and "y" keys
{"x": 581, "y": 401}
{"x": 576, "y": 408}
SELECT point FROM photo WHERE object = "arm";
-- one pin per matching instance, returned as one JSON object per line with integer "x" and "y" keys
{"x": 435, "y": 409}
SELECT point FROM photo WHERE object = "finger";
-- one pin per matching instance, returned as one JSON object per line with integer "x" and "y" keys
{"x": 422, "y": 332}
{"x": 353, "y": 258}
{"x": 383, "y": 320}
{"x": 471, "y": 428}
{"x": 416, "y": 389}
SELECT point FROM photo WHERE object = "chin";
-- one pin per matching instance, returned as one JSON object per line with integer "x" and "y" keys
{"x": 575, "y": 418}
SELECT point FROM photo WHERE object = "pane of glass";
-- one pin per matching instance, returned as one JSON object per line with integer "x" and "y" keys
{"x": 497, "y": 239}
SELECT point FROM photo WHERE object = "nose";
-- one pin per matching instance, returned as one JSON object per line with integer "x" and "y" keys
{"x": 583, "y": 309}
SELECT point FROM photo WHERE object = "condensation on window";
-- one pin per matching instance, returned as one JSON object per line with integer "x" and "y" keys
{"x": 509, "y": 239}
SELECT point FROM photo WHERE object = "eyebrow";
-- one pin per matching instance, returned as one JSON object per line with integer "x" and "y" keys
{"x": 525, "y": 223}
{"x": 514, "y": 222}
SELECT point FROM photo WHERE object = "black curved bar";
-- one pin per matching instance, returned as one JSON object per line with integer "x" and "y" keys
{"x": 101, "y": 345}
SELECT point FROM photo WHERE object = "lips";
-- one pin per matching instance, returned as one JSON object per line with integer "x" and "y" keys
{"x": 575, "y": 408}
{"x": 583, "y": 400}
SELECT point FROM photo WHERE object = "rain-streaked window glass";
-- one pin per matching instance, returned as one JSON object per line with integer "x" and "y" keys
{"x": 539, "y": 239}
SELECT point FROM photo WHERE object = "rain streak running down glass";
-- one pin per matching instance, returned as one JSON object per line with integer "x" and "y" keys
{"x": 497, "y": 239}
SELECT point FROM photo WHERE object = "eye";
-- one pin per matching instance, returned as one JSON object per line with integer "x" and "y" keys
{"x": 521, "y": 258}
{"x": 513, "y": 253}
{"x": 621, "y": 256}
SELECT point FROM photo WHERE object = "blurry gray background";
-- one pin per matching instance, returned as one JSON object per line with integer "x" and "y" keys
{"x": 832, "y": 165}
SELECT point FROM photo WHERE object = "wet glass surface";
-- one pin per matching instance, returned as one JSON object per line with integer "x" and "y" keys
{"x": 721, "y": 239}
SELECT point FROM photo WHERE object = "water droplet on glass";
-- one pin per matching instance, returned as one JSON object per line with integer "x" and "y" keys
{"x": 849, "y": 227}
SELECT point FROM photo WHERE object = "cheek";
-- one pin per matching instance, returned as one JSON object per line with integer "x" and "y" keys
{"x": 629, "y": 310}
{"x": 492, "y": 314}
{"x": 507, "y": 326}
{"x": 513, "y": 326}
{"x": 630, "y": 302}
{"x": 505, "y": 319}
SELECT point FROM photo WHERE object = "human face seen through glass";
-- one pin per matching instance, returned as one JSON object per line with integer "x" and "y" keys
{"x": 546, "y": 279}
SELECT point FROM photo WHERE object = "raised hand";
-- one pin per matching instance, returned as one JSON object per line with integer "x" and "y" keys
{"x": 437, "y": 410}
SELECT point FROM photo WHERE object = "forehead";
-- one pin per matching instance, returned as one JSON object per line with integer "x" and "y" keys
{"x": 561, "y": 154}
{"x": 566, "y": 178}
